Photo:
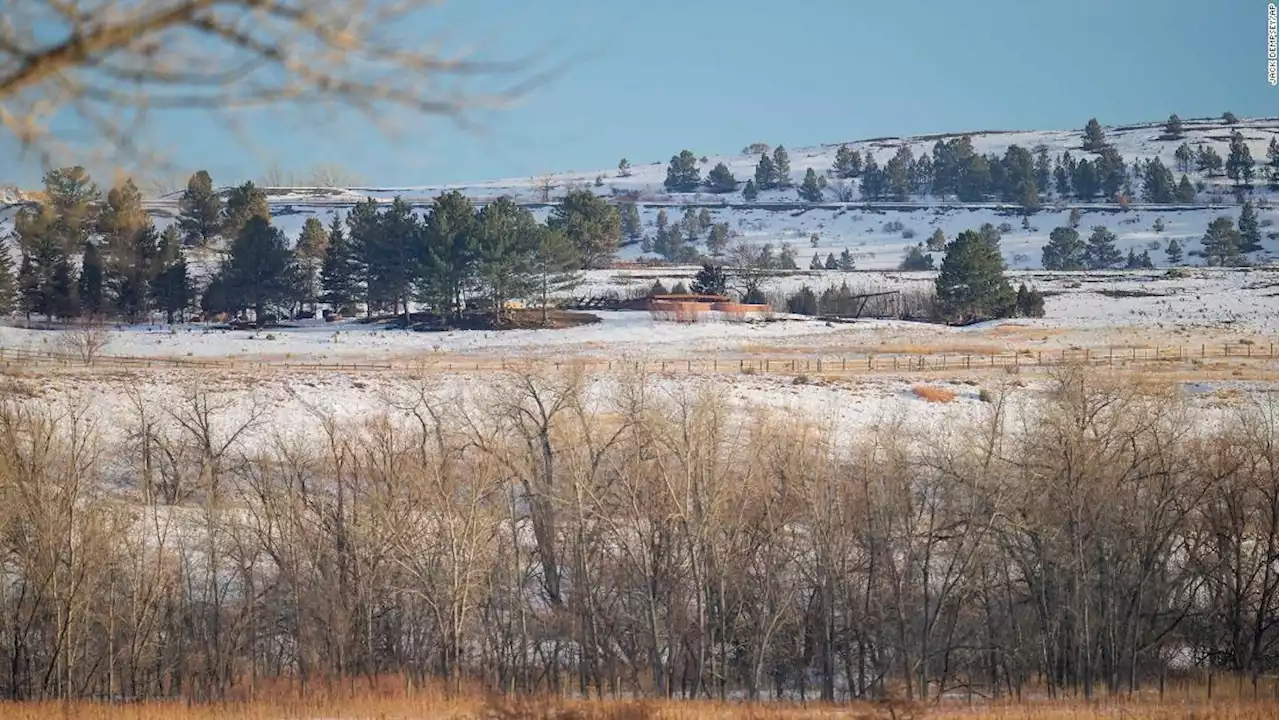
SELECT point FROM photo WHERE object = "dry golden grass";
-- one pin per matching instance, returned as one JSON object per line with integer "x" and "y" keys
{"x": 933, "y": 394}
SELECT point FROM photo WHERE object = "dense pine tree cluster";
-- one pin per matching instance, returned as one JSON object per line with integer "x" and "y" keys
{"x": 86, "y": 254}
{"x": 83, "y": 254}
{"x": 1026, "y": 177}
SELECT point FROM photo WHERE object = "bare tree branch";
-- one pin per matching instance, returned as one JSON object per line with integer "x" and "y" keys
{"x": 105, "y": 65}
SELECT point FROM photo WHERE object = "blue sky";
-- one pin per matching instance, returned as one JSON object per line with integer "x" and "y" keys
{"x": 646, "y": 79}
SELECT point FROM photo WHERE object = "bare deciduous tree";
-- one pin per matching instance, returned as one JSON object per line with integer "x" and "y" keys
{"x": 109, "y": 66}
{"x": 86, "y": 340}
{"x": 636, "y": 536}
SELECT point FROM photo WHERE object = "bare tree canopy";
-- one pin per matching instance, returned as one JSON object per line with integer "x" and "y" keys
{"x": 105, "y": 66}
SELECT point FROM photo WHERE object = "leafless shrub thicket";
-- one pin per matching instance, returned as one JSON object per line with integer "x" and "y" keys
{"x": 86, "y": 341}
{"x": 536, "y": 540}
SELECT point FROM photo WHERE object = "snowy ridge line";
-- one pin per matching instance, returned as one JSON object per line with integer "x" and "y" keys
{"x": 693, "y": 201}
{"x": 856, "y": 363}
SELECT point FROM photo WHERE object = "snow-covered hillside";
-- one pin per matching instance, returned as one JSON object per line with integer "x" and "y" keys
{"x": 1131, "y": 141}
{"x": 867, "y": 230}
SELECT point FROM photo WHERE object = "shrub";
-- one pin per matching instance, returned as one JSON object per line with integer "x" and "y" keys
{"x": 1005, "y": 227}
{"x": 928, "y": 393}
{"x": 984, "y": 395}
{"x": 908, "y": 234}
{"x": 893, "y": 226}
{"x": 800, "y": 380}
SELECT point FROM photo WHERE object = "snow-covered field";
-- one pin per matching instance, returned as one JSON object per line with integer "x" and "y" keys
{"x": 1082, "y": 309}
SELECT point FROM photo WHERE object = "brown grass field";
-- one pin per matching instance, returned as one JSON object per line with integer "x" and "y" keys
{"x": 406, "y": 708}
{"x": 1233, "y": 699}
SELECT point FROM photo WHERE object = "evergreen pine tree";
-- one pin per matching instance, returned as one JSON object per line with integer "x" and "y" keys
{"x": 8, "y": 281}
{"x": 1094, "y": 138}
{"x": 1239, "y": 161}
{"x": 448, "y": 249}
{"x": 1100, "y": 251}
{"x": 899, "y": 173}
{"x": 787, "y": 258}
{"x": 63, "y": 303}
{"x": 720, "y": 180}
{"x": 89, "y": 286}
{"x": 766, "y": 174}
{"x": 257, "y": 272}
{"x": 1157, "y": 182}
{"x": 41, "y": 247}
{"x": 690, "y": 226}
{"x": 29, "y": 295}
{"x": 1043, "y": 169}
{"x": 971, "y": 284}
{"x": 1030, "y": 302}
{"x": 1274, "y": 163}
{"x": 1173, "y": 252}
{"x": 848, "y": 163}
{"x": 1221, "y": 243}
{"x": 846, "y": 261}
{"x": 591, "y": 224}
{"x": 811, "y": 188}
{"x": 1064, "y": 251}
{"x": 629, "y": 217}
{"x": 309, "y": 254}
{"x": 1250, "y": 234}
{"x": 505, "y": 236}
{"x": 172, "y": 288}
{"x": 1229, "y": 118}
{"x": 1208, "y": 161}
{"x": 718, "y": 239}
{"x": 1185, "y": 192}
{"x": 974, "y": 180}
{"x": 131, "y": 269}
{"x": 1184, "y": 158}
{"x": 749, "y": 192}
{"x": 1173, "y": 127}
{"x": 45, "y": 283}
{"x": 916, "y": 259}
{"x": 1085, "y": 181}
{"x": 781, "y": 168}
{"x": 1144, "y": 260}
{"x": 1112, "y": 172}
{"x": 200, "y": 212}
{"x": 340, "y": 273}
{"x": 816, "y": 262}
{"x": 75, "y": 201}
{"x": 1064, "y": 174}
{"x": 704, "y": 220}
{"x": 624, "y": 168}
{"x": 244, "y": 202}
{"x": 682, "y": 173}
{"x": 831, "y": 263}
{"x": 1131, "y": 261}
{"x": 710, "y": 280}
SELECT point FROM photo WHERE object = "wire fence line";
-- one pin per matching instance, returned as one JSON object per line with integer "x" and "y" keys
{"x": 861, "y": 363}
